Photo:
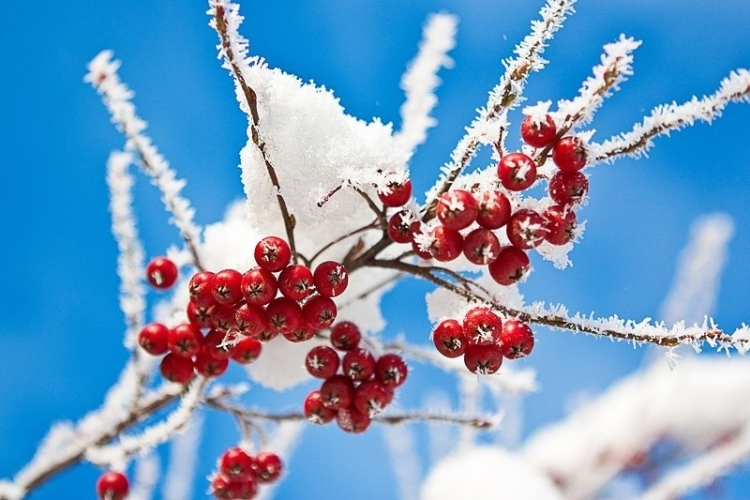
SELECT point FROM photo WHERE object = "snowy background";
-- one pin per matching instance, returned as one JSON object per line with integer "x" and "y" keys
{"x": 62, "y": 332}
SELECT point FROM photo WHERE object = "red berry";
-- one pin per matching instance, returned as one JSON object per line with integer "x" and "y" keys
{"x": 399, "y": 227}
{"x": 481, "y": 246}
{"x": 568, "y": 188}
{"x": 447, "y": 244}
{"x": 303, "y": 333}
{"x": 268, "y": 467}
{"x": 337, "y": 392}
{"x": 538, "y": 133}
{"x": 112, "y": 485}
{"x": 259, "y": 286}
{"x": 284, "y": 315}
{"x": 269, "y": 334}
{"x": 153, "y": 339}
{"x": 314, "y": 410}
{"x": 494, "y": 209}
{"x": 397, "y": 194}
{"x": 516, "y": 171}
{"x": 322, "y": 362}
{"x": 250, "y": 319}
{"x": 483, "y": 359}
{"x": 218, "y": 344}
{"x": 184, "y": 340}
{"x": 226, "y": 286}
{"x": 224, "y": 489}
{"x": 561, "y": 225}
{"x": 296, "y": 282}
{"x": 457, "y": 209}
{"x": 371, "y": 397}
{"x": 449, "y": 338}
{"x": 247, "y": 350}
{"x": 526, "y": 229}
{"x": 319, "y": 312}
{"x": 511, "y": 265}
{"x": 161, "y": 273}
{"x": 345, "y": 336}
{"x": 482, "y": 326}
{"x": 237, "y": 465}
{"x": 358, "y": 364}
{"x": 330, "y": 278}
{"x": 199, "y": 316}
{"x": 352, "y": 420}
{"x": 176, "y": 368}
{"x": 200, "y": 288}
{"x": 208, "y": 366}
{"x": 272, "y": 253}
{"x": 391, "y": 370}
{"x": 516, "y": 340}
{"x": 224, "y": 317}
{"x": 569, "y": 154}
{"x": 419, "y": 252}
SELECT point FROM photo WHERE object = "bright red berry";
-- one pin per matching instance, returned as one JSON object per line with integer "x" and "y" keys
{"x": 296, "y": 282}
{"x": 561, "y": 224}
{"x": 511, "y": 265}
{"x": 247, "y": 350}
{"x": 449, "y": 338}
{"x": 397, "y": 194}
{"x": 268, "y": 467}
{"x": 483, "y": 359}
{"x": 481, "y": 246}
{"x": 259, "y": 286}
{"x": 337, "y": 392}
{"x": 200, "y": 288}
{"x": 272, "y": 253}
{"x": 112, "y": 485}
{"x": 482, "y": 326}
{"x": 268, "y": 334}
{"x": 526, "y": 229}
{"x": 352, "y": 420}
{"x": 358, "y": 364}
{"x": 399, "y": 227}
{"x": 153, "y": 339}
{"x": 391, "y": 370}
{"x": 302, "y": 333}
{"x": 218, "y": 344}
{"x": 538, "y": 132}
{"x": 457, "y": 209}
{"x": 319, "y": 312}
{"x": 226, "y": 286}
{"x": 516, "y": 340}
{"x": 284, "y": 315}
{"x": 176, "y": 368}
{"x": 161, "y": 273}
{"x": 208, "y": 366}
{"x": 345, "y": 336}
{"x": 314, "y": 410}
{"x": 199, "y": 316}
{"x": 322, "y": 362}
{"x": 330, "y": 278}
{"x": 447, "y": 244}
{"x": 237, "y": 465}
{"x": 184, "y": 340}
{"x": 568, "y": 188}
{"x": 250, "y": 319}
{"x": 516, "y": 171}
{"x": 494, "y": 209}
{"x": 371, "y": 397}
{"x": 569, "y": 154}
{"x": 224, "y": 317}
{"x": 225, "y": 489}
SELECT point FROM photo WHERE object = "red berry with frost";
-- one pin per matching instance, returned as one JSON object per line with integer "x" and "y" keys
{"x": 371, "y": 397}
{"x": 322, "y": 362}
{"x": 516, "y": 171}
{"x": 483, "y": 359}
{"x": 568, "y": 188}
{"x": 200, "y": 288}
{"x": 272, "y": 253}
{"x": 250, "y": 319}
{"x": 337, "y": 392}
{"x": 396, "y": 195}
{"x": 225, "y": 489}
{"x": 176, "y": 368}
{"x": 526, "y": 229}
{"x": 352, "y": 420}
{"x": 208, "y": 366}
{"x": 153, "y": 339}
{"x": 447, "y": 244}
{"x": 237, "y": 465}
{"x": 319, "y": 312}
{"x": 224, "y": 317}
{"x": 449, "y": 338}
{"x": 296, "y": 282}
{"x": 482, "y": 326}
{"x": 184, "y": 340}
{"x": 391, "y": 370}
{"x": 516, "y": 340}
{"x": 456, "y": 209}
{"x": 314, "y": 410}
{"x": 302, "y": 333}
{"x": 226, "y": 286}
{"x": 561, "y": 225}
{"x": 569, "y": 154}
{"x": 330, "y": 278}
{"x": 417, "y": 249}
{"x": 481, "y": 246}
{"x": 112, "y": 485}
{"x": 247, "y": 350}
{"x": 218, "y": 344}
{"x": 268, "y": 467}
{"x": 399, "y": 227}
{"x": 358, "y": 364}
{"x": 199, "y": 316}
{"x": 494, "y": 209}
{"x": 511, "y": 265}
{"x": 259, "y": 286}
{"x": 161, "y": 273}
{"x": 345, "y": 336}
{"x": 538, "y": 132}
{"x": 284, "y": 315}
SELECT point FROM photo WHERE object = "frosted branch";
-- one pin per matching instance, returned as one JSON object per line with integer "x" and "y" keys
{"x": 147, "y": 469}
{"x": 420, "y": 80}
{"x": 183, "y": 458}
{"x": 117, "y": 97}
{"x": 487, "y": 128}
{"x": 669, "y": 117}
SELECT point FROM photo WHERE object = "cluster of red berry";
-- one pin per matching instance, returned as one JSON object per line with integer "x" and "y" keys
{"x": 361, "y": 389}
{"x": 240, "y": 473}
{"x": 483, "y": 339}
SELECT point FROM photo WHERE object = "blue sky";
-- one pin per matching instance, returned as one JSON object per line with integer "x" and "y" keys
{"x": 61, "y": 335}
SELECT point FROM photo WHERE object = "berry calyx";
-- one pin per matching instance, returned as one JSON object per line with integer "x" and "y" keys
{"x": 315, "y": 411}
{"x": 200, "y": 288}
{"x": 526, "y": 229}
{"x": 568, "y": 188}
{"x": 176, "y": 369}
{"x": 337, "y": 392}
{"x": 184, "y": 340}
{"x": 494, "y": 209}
{"x": 322, "y": 362}
{"x": 330, "y": 278}
{"x": 319, "y": 312}
{"x": 296, "y": 282}
{"x": 391, "y": 370}
{"x": 481, "y": 246}
{"x": 112, "y": 485}
{"x": 345, "y": 336}
{"x": 482, "y": 326}
{"x": 399, "y": 227}
{"x": 259, "y": 286}
{"x": 538, "y": 132}
{"x": 161, "y": 273}
{"x": 226, "y": 286}
{"x": 569, "y": 154}
{"x": 153, "y": 339}
{"x": 272, "y": 253}
{"x": 246, "y": 350}
{"x": 561, "y": 225}
{"x": 268, "y": 467}
{"x": 371, "y": 397}
{"x": 358, "y": 364}
{"x": 237, "y": 465}
{"x": 284, "y": 315}
{"x": 483, "y": 359}
{"x": 208, "y": 366}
